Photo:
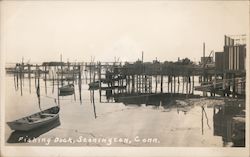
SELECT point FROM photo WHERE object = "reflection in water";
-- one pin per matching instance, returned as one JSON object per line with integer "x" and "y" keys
{"x": 26, "y": 136}
{"x": 203, "y": 112}
{"x": 227, "y": 126}
{"x": 164, "y": 99}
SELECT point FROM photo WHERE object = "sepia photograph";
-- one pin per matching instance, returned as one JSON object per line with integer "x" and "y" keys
{"x": 124, "y": 78}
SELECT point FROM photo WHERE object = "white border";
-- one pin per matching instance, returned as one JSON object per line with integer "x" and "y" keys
{"x": 30, "y": 151}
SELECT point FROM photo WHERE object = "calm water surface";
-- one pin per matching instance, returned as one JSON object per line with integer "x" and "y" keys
{"x": 133, "y": 125}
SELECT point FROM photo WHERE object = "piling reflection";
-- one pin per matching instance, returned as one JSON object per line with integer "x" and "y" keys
{"x": 229, "y": 123}
{"x": 154, "y": 99}
{"x": 26, "y": 136}
{"x": 228, "y": 120}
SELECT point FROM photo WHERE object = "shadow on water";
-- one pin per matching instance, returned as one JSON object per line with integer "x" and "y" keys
{"x": 164, "y": 99}
{"x": 228, "y": 119}
{"x": 229, "y": 123}
{"x": 26, "y": 136}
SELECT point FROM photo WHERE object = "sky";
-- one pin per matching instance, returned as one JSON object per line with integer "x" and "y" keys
{"x": 107, "y": 30}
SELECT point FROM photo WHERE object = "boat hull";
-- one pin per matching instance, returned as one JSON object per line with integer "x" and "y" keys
{"x": 36, "y": 120}
{"x": 67, "y": 88}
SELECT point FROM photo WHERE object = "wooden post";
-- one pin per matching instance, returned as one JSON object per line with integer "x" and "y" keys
{"x": 100, "y": 83}
{"x": 21, "y": 86}
{"x": 183, "y": 84}
{"x": 193, "y": 85}
{"x": 189, "y": 82}
{"x": 58, "y": 90}
{"x": 86, "y": 75}
{"x": 35, "y": 76}
{"x": 90, "y": 71}
{"x": 204, "y": 72}
{"x": 174, "y": 83}
{"x": 187, "y": 85}
{"x": 80, "y": 83}
{"x": 53, "y": 82}
{"x": 61, "y": 70}
{"x": 168, "y": 82}
{"x": 156, "y": 83}
{"x": 93, "y": 98}
{"x": 161, "y": 83}
{"x": 137, "y": 85}
{"x": 178, "y": 84}
{"x": 128, "y": 83}
{"x": 150, "y": 84}
{"x": 171, "y": 84}
{"x": 38, "y": 91}
{"x": 139, "y": 77}
{"x": 15, "y": 81}
{"x": 202, "y": 126}
{"x": 17, "y": 77}
{"x": 142, "y": 84}
{"x": 45, "y": 79}
{"x": 133, "y": 83}
{"x": 73, "y": 74}
{"x": 233, "y": 80}
{"x": 29, "y": 78}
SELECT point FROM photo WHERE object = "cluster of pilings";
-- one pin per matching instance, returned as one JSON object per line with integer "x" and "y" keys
{"x": 139, "y": 77}
{"x": 149, "y": 78}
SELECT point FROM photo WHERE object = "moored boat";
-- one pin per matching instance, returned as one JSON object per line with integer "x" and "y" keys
{"x": 67, "y": 88}
{"x": 35, "y": 120}
{"x": 94, "y": 85}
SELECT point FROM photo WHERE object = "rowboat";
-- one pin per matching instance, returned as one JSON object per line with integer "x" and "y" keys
{"x": 94, "y": 85}
{"x": 67, "y": 88}
{"x": 35, "y": 120}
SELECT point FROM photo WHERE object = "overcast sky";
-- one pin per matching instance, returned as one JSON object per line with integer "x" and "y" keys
{"x": 42, "y": 30}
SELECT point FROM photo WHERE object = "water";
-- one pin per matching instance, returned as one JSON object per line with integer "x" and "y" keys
{"x": 116, "y": 124}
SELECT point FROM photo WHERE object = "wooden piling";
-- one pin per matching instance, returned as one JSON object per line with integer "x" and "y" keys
{"x": 80, "y": 83}
{"x": 53, "y": 82}
{"x": 29, "y": 73}
{"x": 161, "y": 83}
{"x": 100, "y": 83}
{"x": 93, "y": 98}
{"x": 156, "y": 83}
{"x": 174, "y": 84}
{"x": 21, "y": 86}
{"x": 45, "y": 79}
{"x": 178, "y": 81}
{"x": 192, "y": 84}
{"x": 17, "y": 77}
{"x": 133, "y": 83}
{"x": 183, "y": 84}
{"x": 189, "y": 82}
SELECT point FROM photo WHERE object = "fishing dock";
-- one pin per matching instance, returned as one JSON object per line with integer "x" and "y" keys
{"x": 223, "y": 75}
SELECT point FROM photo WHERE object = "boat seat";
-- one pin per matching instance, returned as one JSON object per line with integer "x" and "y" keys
{"x": 32, "y": 119}
{"x": 47, "y": 114}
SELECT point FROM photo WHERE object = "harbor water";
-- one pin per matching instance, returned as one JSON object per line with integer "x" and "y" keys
{"x": 85, "y": 121}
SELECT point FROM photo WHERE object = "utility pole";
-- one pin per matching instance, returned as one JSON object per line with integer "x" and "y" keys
{"x": 204, "y": 92}
{"x": 142, "y": 56}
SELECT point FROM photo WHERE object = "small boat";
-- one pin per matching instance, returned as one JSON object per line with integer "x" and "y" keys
{"x": 94, "y": 85}
{"x": 67, "y": 88}
{"x": 35, "y": 120}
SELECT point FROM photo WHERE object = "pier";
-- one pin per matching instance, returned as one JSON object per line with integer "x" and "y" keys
{"x": 181, "y": 85}
{"x": 223, "y": 75}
